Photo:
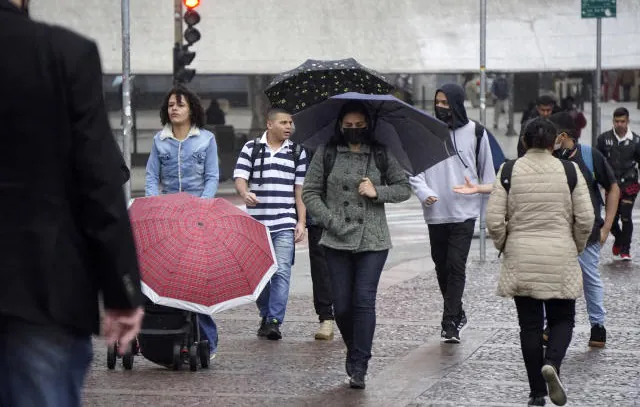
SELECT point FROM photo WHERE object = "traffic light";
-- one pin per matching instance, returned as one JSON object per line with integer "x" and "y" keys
{"x": 182, "y": 56}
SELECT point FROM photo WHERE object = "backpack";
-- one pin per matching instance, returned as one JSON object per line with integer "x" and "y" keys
{"x": 496, "y": 151}
{"x": 569, "y": 169}
{"x": 297, "y": 152}
{"x": 380, "y": 157}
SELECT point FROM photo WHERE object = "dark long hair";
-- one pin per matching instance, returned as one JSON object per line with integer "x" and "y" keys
{"x": 539, "y": 133}
{"x": 353, "y": 106}
{"x": 196, "y": 116}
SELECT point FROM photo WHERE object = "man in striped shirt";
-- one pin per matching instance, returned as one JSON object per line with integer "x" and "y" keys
{"x": 269, "y": 176}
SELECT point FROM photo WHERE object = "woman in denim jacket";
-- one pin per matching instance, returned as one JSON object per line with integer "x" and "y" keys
{"x": 184, "y": 158}
{"x": 350, "y": 208}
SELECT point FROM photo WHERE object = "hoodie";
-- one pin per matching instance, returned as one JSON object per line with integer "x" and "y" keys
{"x": 439, "y": 180}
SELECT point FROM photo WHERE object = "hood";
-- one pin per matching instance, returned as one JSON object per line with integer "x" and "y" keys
{"x": 455, "y": 95}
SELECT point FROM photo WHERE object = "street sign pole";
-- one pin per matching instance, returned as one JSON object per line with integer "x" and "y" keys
{"x": 127, "y": 117}
{"x": 483, "y": 114}
{"x": 597, "y": 9}
{"x": 595, "y": 107}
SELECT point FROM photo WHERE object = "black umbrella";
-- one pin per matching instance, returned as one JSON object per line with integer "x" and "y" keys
{"x": 417, "y": 139}
{"x": 315, "y": 81}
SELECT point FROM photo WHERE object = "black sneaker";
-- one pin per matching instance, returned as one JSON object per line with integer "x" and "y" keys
{"x": 356, "y": 381}
{"x": 273, "y": 330}
{"x": 598, "y": 336}
{"x": 536, "y": 401}
{"x": 450, "y": 332}
{"x": 262, "y": 330}
{"x": 461, "y": 321}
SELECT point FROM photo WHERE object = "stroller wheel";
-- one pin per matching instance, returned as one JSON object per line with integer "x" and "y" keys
{"x": 177, "y": 356}
{"x": 111, "y": 356}
{"x": 193, "y": 357}
{"x": 127, "y": 360}
{"x": 203, "y": 349}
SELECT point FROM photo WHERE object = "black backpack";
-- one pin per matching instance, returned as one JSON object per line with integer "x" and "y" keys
{"x": 380, "y": 157}
{"x": 296, "y": 148}
{"x": 569, "y": 169}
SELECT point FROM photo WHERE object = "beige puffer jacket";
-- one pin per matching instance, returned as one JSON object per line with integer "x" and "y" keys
{"x": 541, "y": 228}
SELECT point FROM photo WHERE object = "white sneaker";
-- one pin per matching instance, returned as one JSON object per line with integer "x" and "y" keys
{"x": 557, "y": 393}
{"x": 325, "y": 332}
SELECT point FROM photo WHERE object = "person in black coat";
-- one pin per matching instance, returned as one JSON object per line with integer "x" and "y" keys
{"x": 65, "y": 235}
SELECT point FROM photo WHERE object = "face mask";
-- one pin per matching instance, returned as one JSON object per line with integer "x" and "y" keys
{"x": 354, "y": 135}
{"x": 444, "y": 114}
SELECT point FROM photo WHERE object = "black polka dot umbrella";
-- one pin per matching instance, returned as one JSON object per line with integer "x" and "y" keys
{"x": 315, "y": 81}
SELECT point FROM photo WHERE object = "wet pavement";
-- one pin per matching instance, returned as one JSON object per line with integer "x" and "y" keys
{"x": 410, "y": 366}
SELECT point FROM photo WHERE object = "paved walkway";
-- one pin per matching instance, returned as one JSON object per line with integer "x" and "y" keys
{"x": 410, "y": 366}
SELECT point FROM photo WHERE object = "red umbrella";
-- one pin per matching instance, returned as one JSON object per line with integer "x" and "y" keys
{"x": 201, "y": 255}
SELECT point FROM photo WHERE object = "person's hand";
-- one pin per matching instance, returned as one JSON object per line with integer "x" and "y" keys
{"x": 122, "y": 326}
{"x": 430, "y": 200}
{"x": 604, "y": 234}
{"x": 467, "y": 189}
{"x": 250, "y": 199}
{"x": 366, "y": 188}
{"x": 300, "y": 232}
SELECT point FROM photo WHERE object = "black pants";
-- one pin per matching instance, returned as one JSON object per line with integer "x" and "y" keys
{"x": 354, "y": 278}
{"x": 320, "y": 277}
{"x": 450, "y": 243}
{"x": 560, "y": 320}
{"x": 623, "y": 234}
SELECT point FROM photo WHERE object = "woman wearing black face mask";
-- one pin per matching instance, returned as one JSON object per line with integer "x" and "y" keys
{"x": 345, "y": 189}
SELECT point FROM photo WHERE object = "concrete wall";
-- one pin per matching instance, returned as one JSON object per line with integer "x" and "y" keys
{"x": 411, "y": 36}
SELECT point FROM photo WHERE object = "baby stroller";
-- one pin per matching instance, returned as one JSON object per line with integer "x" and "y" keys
{"x": 169, "y": 337}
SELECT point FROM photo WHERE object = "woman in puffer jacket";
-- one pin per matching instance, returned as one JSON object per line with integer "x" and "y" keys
{"x": 540, "y": 225}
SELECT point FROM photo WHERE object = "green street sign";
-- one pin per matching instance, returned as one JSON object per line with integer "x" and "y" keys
{"x": 598, "y": 8}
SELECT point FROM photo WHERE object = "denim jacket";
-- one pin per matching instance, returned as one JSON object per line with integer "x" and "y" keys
{"x": 190, "y": 165}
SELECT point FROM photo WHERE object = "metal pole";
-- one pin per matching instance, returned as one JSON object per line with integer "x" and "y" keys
{"x": 127, "y": 119}
{"x": 483, "y": 114}
{"x": 177, "y": 21}
{"x": 512, "y": 98}
{"x": 595, "y": 104}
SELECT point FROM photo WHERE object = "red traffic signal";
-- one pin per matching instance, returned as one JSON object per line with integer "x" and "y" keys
{"x": 191, "y": 3}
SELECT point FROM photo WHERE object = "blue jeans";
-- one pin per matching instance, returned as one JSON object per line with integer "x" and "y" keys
{"x": 209, "y": 331}
{"x": 592, "y": 283}
{"x": 272, "y": 301}
{"x": 354, "y": 280}
{"x": 41, "y": 366}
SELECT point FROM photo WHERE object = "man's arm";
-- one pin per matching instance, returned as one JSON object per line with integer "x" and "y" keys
{"x": 606, "y": 179}
{"x": 241, "y": 175}
{"x": 486, "y": 172}
{"x": 301, "y": 210}
{"x": 101, "y": 210}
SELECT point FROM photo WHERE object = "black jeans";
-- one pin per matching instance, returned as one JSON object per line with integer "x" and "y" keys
{"x": 623, "y": 234}
{"x": 450, "y": 244}
{"x": 320, "y": 277}
{"x": 354, "y": 278}
{"x": 560, "y": 320}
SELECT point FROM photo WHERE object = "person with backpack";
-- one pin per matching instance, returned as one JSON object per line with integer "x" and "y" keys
{"x": 500, "y": 92}
{"x": 268, "y": 176}
{"x": 621, "y": 148}
{"x": 543, "y": 207}
{"x": 598, "y": 173}
{"x": 345, "y": 190}
{"x": 451, "y": 217}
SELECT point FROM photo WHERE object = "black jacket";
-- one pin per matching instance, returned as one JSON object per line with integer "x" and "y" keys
{"x": 65, "y": 234}
{"x": 623, "y": 157}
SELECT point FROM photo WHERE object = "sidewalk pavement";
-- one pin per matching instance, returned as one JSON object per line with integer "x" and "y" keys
{"x": 410, "y": 366}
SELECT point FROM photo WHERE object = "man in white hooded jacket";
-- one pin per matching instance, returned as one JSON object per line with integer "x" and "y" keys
{"x": 450, "y": 216}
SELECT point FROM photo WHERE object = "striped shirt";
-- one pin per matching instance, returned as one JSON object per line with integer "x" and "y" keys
{"x": 277, "y": 207}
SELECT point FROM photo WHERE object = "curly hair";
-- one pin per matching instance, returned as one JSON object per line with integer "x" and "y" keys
{"x": 196, "y": 115}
